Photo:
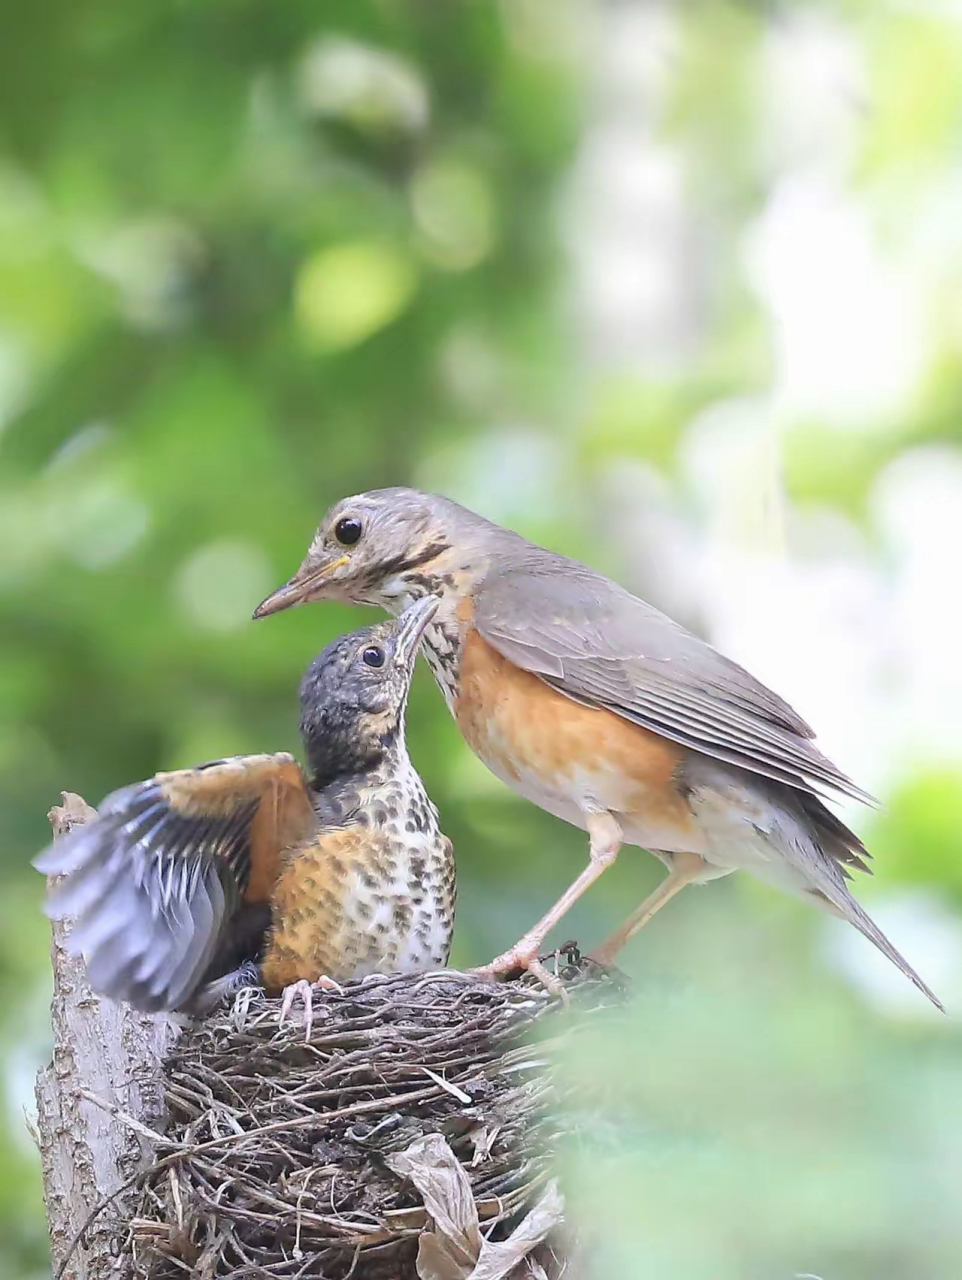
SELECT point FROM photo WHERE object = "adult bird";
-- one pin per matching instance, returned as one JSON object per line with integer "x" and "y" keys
{"x": 598, "y": 708}
{"x": 253, "y": 870}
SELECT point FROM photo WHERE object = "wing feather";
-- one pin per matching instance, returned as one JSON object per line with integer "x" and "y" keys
{"x": 601, "y": 646}
{"x": 154, "y": 883}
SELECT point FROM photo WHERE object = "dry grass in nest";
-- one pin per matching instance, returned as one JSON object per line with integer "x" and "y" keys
{"x": 291, "y": 1159}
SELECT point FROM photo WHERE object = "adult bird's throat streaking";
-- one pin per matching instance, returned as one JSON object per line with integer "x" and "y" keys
{"x": 598, "y": 708}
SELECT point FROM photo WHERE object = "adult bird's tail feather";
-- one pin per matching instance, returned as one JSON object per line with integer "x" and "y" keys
{"x": 844, "y": 904}
{"x": 822, "y": 847}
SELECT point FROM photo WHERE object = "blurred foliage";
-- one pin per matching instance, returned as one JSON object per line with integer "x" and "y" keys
{"x": 253, "y": 258}
{"x": 246, "y": 255}
{"x": 785, "y": 1144}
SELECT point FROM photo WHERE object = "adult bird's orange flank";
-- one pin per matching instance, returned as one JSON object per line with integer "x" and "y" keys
{"x": 250, "y": 870}
{"x": 598, "y": 708}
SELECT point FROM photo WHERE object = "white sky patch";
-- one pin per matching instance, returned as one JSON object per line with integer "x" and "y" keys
{"x": 849, "y": 327}
{"x": 813, "y": 85}
{"x": 629, "y": 230}
{"x": 917, "y": 502}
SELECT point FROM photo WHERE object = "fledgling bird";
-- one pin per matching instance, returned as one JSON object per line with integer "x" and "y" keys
{"x": 251, "y": 870}
{"x": 600, "y": 709}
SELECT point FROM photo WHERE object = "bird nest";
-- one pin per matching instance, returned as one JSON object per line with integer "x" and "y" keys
{"x": 409, "y": 1138}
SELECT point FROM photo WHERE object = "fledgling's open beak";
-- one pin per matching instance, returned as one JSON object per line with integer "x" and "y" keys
{"x": 307, "y": 584}
{"x": 412, "y": 624}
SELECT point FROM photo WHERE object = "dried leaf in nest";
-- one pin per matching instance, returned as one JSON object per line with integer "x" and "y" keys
{"x": 454, "y": 1249}
{"x": 409, "y": 1139}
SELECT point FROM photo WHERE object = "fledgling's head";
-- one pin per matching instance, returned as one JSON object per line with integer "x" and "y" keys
{"x": 354, "y": 694}
{"x": 384, "y": 547}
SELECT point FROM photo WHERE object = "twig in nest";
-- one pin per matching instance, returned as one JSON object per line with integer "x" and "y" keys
{"x": 295, "y": 1160}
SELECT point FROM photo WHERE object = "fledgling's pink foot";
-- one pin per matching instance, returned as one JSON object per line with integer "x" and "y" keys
{"x": 305, "y": 990}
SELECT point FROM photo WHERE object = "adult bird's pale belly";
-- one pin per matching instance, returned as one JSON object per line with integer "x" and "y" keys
{"x": 567, "y": 758}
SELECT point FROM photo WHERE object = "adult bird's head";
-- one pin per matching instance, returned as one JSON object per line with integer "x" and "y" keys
{"x": 386, "y": 547}
{"x": 354, "y": 694}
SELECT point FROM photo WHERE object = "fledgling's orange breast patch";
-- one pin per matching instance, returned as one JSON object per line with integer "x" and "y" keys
{"x": 353, "y": 901}
{"x": 308, "y": 910}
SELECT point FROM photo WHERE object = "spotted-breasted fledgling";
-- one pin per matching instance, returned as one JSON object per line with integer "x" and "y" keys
{"x": 186, "y": 882}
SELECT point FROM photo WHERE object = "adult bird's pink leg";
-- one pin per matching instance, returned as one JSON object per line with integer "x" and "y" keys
{"x": 605, "y": 836}
{"x": 685, "y": 868}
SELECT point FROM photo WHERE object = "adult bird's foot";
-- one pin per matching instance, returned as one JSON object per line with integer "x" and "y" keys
{"x": 522, "y": 959}
{"x": 305, "y": 990}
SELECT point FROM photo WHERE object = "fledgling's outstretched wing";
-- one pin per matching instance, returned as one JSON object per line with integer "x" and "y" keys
{"x": 157, "y": 880}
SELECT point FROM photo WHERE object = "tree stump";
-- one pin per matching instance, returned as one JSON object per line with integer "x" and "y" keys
{"x": 106, "y": 1064}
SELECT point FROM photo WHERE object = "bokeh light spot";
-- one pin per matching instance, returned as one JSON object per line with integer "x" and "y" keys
{"x": 454, "y": 211}
{"x": 372, "y": 88}
{"x": 347, "y": 293}
{"x": 221, "y": 582}
{"x": 99, "y": 523}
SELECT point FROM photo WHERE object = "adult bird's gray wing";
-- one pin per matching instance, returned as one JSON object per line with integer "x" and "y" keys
{"x": 598, "y": 644}
{"x": 158, "y": 880}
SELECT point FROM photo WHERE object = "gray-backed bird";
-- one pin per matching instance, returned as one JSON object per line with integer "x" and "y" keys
{"x": 600, "y": 709}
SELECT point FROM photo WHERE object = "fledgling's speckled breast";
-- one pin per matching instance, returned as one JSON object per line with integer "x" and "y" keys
{"x": 375, "y": 895}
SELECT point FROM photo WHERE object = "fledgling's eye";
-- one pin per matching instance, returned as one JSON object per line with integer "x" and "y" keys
{"x": 373, "y": 656}
{"x": 348, "y": 530}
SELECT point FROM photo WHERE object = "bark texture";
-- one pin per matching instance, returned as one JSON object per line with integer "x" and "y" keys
{"x": 97, "y": 1103}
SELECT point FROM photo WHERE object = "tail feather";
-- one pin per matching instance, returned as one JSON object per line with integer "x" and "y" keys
{"x": 820, "y": 847}
{"x": 834, "y": 837}
{"x": 844, "y": 905}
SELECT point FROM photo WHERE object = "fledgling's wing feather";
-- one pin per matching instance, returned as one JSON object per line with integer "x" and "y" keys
{"x": 599, "y": 645}
{"x": 156, "y": 880}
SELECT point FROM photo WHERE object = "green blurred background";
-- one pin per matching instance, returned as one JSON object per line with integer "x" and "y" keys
{"x": 672, "y": 287}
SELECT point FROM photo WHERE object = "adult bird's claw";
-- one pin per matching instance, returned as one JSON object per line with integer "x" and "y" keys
{"x": 525, "y": 959}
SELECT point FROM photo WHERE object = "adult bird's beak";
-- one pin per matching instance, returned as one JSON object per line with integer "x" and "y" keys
{"x": 304, "y": 586}
{"x": 412, "y": 624}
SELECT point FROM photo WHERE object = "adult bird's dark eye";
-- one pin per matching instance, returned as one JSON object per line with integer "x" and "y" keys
{"x": 374, "y": 657}
{"x": 348, "y": 530}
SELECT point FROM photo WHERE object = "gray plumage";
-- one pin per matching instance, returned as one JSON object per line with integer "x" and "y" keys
{"x": 600, "y": 645}
{"x": 150, "y": 891}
